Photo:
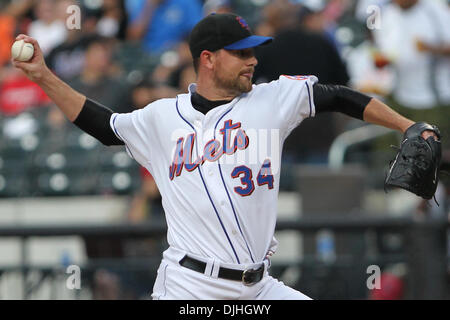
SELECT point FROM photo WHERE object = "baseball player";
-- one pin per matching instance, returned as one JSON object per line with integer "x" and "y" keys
{"x": 220, "y": 201}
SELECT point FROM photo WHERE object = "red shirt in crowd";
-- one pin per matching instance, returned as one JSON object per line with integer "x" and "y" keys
{"x": 17, "y": 94}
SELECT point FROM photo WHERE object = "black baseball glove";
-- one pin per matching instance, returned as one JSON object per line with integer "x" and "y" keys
{"x": 416, "y": 166}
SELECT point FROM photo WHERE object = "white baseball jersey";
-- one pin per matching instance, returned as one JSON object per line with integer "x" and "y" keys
{"x": 218, "y": 174}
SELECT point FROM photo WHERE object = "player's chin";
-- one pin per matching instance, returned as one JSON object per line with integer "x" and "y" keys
{"x": 245, "y": 85}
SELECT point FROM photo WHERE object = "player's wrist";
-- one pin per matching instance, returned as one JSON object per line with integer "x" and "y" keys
{"x": 43, "y": 76}
{"x": 406, "y": 125}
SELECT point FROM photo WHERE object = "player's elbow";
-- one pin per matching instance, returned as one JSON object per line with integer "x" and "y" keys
{"x": 110, "y": 141}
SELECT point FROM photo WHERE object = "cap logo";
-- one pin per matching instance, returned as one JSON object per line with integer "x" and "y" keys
{"x": 243, "y": 23}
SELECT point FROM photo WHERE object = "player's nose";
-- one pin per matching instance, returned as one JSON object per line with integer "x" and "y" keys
{"x": 252, "y": 61}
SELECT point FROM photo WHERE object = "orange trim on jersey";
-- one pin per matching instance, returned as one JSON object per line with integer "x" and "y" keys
{"x": 295, "y": 77}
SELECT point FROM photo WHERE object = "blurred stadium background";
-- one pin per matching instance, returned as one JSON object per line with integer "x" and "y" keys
{"x": 65, "y": 199}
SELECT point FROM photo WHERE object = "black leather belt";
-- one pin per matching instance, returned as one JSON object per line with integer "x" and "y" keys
{"x": 248, "y": 277}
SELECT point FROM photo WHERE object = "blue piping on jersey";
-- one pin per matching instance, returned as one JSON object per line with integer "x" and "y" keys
{"x": 204, "y": 184}
{"x": 228, "y": 195}
{"x": 309, "y": 99}
{"x": 119, "y": 136}
{"x": 115, "y": 130}
{"x": 164, "y": 284}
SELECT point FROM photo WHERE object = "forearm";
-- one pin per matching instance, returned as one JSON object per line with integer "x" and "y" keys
{"x": 337, "y": 98}
{"x": 357, "y": 105}
{"x": 88, "y": 115}
{"x": 441, "y": 51}
{"x": 377, "y": 112}
{"x": 67, "y": 99}
{"x": 94, "y": 119}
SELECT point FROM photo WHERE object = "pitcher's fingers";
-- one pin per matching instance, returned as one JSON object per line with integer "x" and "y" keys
{"x": 426, "y": 134}
{"x": 20, "y": 36}
{"x": 31, "y": 40}
{"x": 16, "y": 63}
{"x": 21, "y": 65}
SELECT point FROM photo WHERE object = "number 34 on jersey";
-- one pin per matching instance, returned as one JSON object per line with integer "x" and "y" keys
{"x": 214, "y": 150}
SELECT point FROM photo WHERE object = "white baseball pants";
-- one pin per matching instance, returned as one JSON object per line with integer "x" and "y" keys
{"x": 175, "y": 282}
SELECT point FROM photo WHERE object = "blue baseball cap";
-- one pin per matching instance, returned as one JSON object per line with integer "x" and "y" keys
{"x": 223, "y": 31}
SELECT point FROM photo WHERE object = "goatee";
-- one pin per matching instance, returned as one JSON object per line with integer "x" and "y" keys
{"x": 235, "y": 86}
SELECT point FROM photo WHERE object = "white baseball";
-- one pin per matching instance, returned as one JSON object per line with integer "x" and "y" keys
{"x": 22, "y": 50}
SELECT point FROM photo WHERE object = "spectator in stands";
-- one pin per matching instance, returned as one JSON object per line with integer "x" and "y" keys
{"x": 369, "y": 70}
{"x": 10, "y": 13}
{"x": 278, "y": 15}
{"x": 170, "y": 62}
{"x": 96, "y": 80}
{"x": 161, "y": 24}
{"x": 48, "y": 29}
{"x": 302, "y": 52}
{"x": 317, "y": 16}
{"x": 187, "y": 76}
{"x": 217, "y": 6}
{"x": 415, "y": 37}
{"x": 67, "y": 59}
{"x": 17, "y": 93}
{"x": 146, "y": 204}
{"x": 113, "y": 22}
{"x": 146, "y": 92}
{"x": 179, "y": 72}
{"x": 7, "y": 26}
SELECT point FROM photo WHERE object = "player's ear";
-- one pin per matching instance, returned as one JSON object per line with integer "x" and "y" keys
{"x": 207, "y": 59}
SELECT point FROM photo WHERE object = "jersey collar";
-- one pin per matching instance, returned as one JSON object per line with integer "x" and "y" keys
{"x": 189, "y": 111}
